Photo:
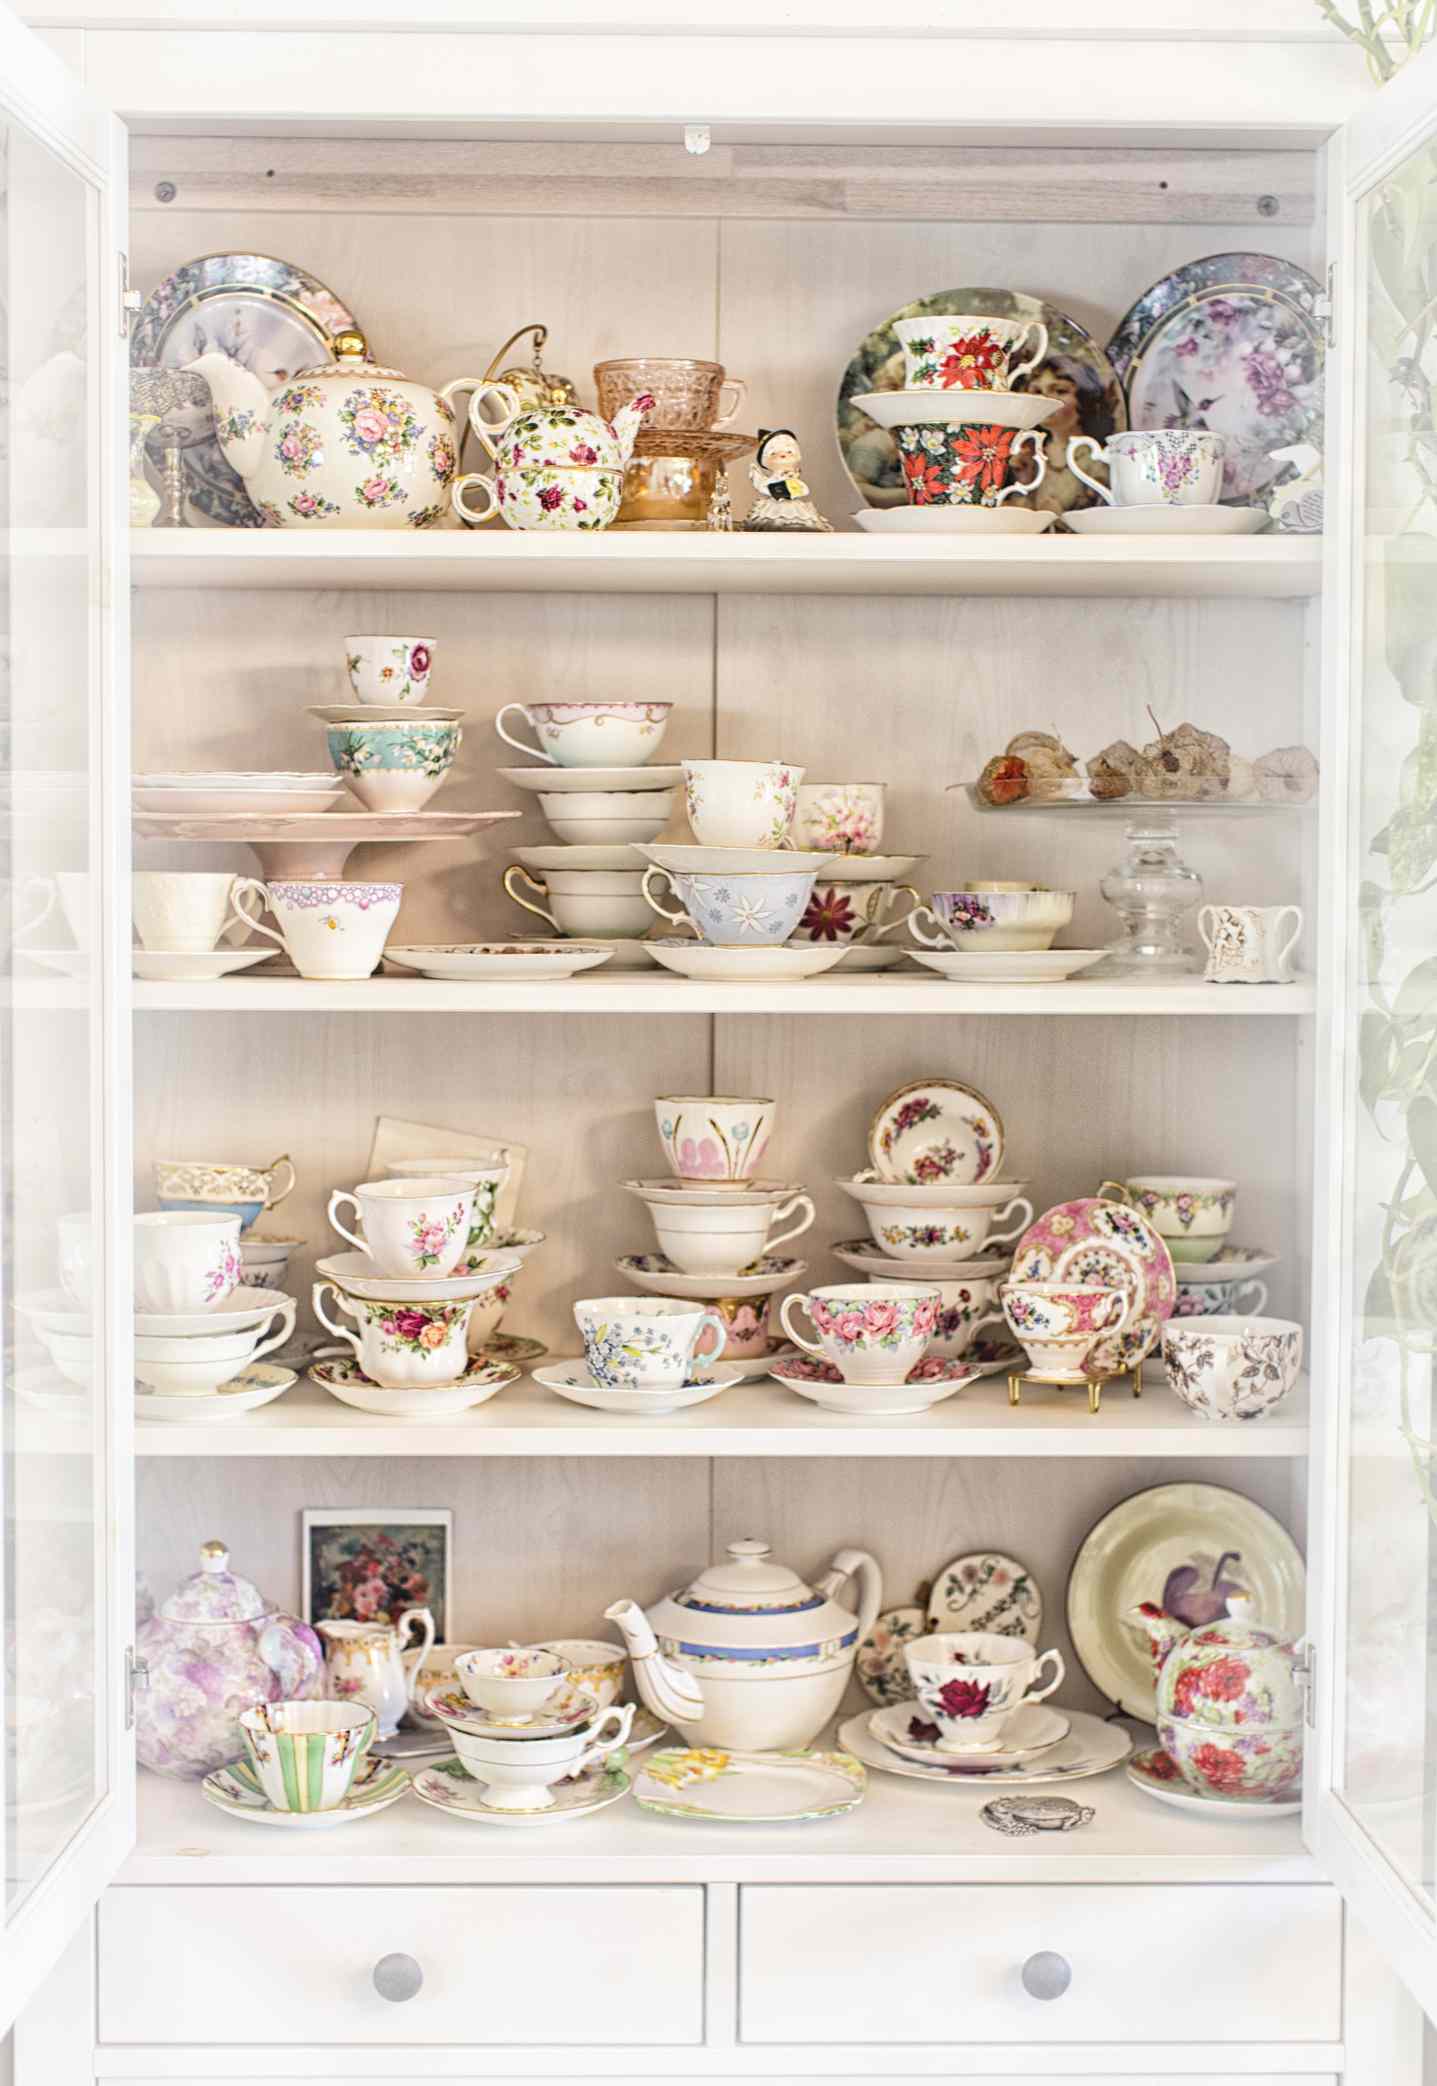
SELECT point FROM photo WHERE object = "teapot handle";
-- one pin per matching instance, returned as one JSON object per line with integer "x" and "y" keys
{"x": 849, "y": 1564}
{"x": 293, "y": 1655}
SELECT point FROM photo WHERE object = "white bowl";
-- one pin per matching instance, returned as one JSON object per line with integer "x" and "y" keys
{"x": 604, "y": 832}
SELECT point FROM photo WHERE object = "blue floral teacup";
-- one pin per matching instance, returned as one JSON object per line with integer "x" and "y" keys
{"x": 642, "y": 1343}
{"x": 757, "y": 909}
{"x": 394, "y": 767}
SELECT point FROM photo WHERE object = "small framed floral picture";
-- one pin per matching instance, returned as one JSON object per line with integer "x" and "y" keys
{"x": 368, "y": 1564}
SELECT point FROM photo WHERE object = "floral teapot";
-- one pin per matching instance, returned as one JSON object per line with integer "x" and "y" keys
{"x": 749, "y": 1656}
{"x": 348, "y": 445}
{"x": 555, "y": 466}
{"x": 1229, "y": 1700}
{"x": 214, "y": 1648}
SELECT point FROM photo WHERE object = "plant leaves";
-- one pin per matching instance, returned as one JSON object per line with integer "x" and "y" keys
{"x": 1374, "y": 1043}
{"x": 1422, "y": 1137}
{"x": 1379, "y": 1309}
{"x": 1417, "y": 995}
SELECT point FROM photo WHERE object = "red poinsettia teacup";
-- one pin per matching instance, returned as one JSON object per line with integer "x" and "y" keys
{"x": 971, "y": 1681}
{"x": 967, "y": 351}
{"x": 968, "y": 463}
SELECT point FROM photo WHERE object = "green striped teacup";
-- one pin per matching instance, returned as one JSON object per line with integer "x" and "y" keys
{"x": 305, "y": 1753}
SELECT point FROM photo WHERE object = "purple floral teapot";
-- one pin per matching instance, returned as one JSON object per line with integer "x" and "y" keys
{"x": 214, "y": 1648}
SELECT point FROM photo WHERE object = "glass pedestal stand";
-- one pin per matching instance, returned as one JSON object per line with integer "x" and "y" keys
{"x": 1153, "y": 891}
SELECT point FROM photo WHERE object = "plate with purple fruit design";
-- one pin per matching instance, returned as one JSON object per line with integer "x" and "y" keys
{"x": 1187, "y": 1549}
{"x": 1091, "y": 1240}
{"x": 1155, "y": 1773}
{"x": 1031, "y": 1730}
{"x": 936, "y": 1133}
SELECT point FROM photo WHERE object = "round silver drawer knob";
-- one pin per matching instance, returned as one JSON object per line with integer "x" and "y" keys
{"x": 399, "y": 1977}
{"x": 1047, "y": 1975}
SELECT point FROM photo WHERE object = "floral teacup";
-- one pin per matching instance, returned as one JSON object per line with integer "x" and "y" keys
{"x": 1231, "y": 1298}
{"x": 644, "y": 1343}
{"x": 993, "y": 916}
{"x": 1193, "y": 1212}
{"x": 741, "y": 803}
{"x": 969, "y": 352}
{"x": 394, "y": 767}
{"x": 487, "y": 1181}
{"x": 971, "y": 464}
{"x": 185, "y": 1260}
{"x": 335, "y": 929}
{"x": 1232, "y": 1368}
{"x": 838, "y": 911}
{"x": 389, "y": 669}
{"x": 590, "y": 735}
{"x": 971, "y": 1681}
{"x": 400, "y": 1345}
{"x": 964, "y": 1309}
{"x": 1154, "y": 467}
{"x": 411, "y": 1227}
{"x": 1060, "y": 1323}
{"x": 714, "y": 1137}
{"x": 754, "y": 909}
{"x": 872, "y": 1333}
{"x": 840, "y": 818}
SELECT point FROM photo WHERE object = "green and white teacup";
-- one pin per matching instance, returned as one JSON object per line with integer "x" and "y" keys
{"x": 306, "y": 1754}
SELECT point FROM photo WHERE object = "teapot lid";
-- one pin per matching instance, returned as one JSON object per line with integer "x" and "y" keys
{"x": 214, "y": 1593}
{"x": 351, "y": 359}
{"x": 750, "y": 1582}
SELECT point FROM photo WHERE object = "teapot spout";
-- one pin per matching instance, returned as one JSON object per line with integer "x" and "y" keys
{"x": 668, "y": 1690}
{"x": 627, "y": 421}
{"x": 1158, "y": 1630}
{"x": 242, "y": 403}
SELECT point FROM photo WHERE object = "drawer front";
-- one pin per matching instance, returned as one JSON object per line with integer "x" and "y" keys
{"x": 907, "y": 1963}
{"x": 507, "y": 1965}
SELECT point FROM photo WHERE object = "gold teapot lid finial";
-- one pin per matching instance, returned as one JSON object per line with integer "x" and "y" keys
{"x": 350, "y": 345}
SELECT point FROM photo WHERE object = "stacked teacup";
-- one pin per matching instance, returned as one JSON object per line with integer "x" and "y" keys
{"x": 245, "y": 1192}
{"x": 391, "y": 750}
{"x": 521, "y": 1726}
{"x": 986, "y": 929}
{"x": 716, "y": 1142}
{"x": 409, "y": 1290}
{"x": 969, "y": 441}
{"x": 742, "y": 889}
{"x": 852, "y": 905}
{"x": 488, "y": 1247}
{"x": 1162, "y": 481}
{"x": 600, "y": 795}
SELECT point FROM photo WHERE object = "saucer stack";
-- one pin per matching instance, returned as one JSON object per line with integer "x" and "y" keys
{"x": 968, "y": 441}
{"x": 600, "y": 795}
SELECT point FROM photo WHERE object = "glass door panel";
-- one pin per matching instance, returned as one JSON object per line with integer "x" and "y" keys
{"x": 66, "y": 1778}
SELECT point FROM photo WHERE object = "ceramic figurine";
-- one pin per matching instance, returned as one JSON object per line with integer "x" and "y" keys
{"x": 750, "y": 1656}
{"x": 719, "y": 518}
{"x": 214, "y": 1648}
{"x": 783, "y": 500}
{"x": 1229, "y": 1706}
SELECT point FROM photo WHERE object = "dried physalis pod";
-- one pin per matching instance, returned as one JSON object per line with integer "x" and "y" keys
{"x": 1047, "y": 758}
{"x": 1004, "y": 780}
{"x": 1119, "y": 771}
{"x": 1241, "y": 779}
{"x": 1287, "y": 775}
{"x": 1189, "y": 763}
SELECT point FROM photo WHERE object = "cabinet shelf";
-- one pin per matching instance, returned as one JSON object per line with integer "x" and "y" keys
{"x": 653, "y": 992}
{"x": 751, "y": 1419}
{"x": 504, "y": 561}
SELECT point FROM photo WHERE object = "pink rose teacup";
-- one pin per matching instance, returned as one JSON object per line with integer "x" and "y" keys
{"x": 872, "y": 1332}
{"x": 1060, "y": 1323}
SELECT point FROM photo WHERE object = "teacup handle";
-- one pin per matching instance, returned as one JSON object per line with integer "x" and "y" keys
{"x": 238, "y": 889}
{"x": 1100, "y": 455}
{"x": 1042, "y": 1694}
{"x": 1034, "y": 437}
{"x": 341, "y": 1332}
{"x": 286, "y": 1317}
{"x": 1006, "y": 1238}
{"x": 711, "y": 1322}
{"x": 35, "y": 886}
{"x": 939, "y": 939}
{"x": 339, "y": 1196}
{"x": 1207, "y": 914}
{"x": 474, "y": 484}
{"x": 876, "y": 934}
{"x": 678, "y": 919}
{"x": 1039, "y": 354}
{"x": 1260, "y": 1304}
{"x": 518, "y": 745}
{"x": 1280, "y": 961}
{"x": 518, "y": 869}
{"x": 1114, "y": 1191}
{"x": 273, "y": 1201}
{"x": 599, "y": 1747}
{"x": 423, "y": 1618}
{"x": 726, "y": 414}
{"x": 480, "y": 388}
{"x": 800, "y": 1202}
{"x": 791, "y": 1303}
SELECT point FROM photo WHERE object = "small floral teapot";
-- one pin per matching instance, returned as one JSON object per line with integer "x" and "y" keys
{"x": 1229, "y": 1701}
{"x": 555, "y": 466}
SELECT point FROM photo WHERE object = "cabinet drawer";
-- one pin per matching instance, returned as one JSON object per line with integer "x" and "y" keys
{"x": 899, "y": 1964}
{"x": 507, "y": 1965}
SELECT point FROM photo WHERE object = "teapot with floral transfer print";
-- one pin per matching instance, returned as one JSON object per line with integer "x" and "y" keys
{"x": 1229, "y": 1700}
{"x": 347, "y": 445}
{"x": 555, "y": 466}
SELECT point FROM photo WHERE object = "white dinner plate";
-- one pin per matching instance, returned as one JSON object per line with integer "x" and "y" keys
{"x": 1167, "y": 521}
{"x": 1008, "y": 966}
{"x": 1091, "y": 1747}
{"x": 731, "y": 1787}
{"x": 785, "y": 965}
{"x": 260, "y": 1384}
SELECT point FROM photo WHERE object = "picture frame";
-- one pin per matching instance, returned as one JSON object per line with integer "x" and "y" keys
{"x": 368, "y": 1564}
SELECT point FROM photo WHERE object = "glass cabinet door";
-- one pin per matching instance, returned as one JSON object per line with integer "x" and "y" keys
{"x": 66, "y": 1767}
{"x": 1372, "y": 1813}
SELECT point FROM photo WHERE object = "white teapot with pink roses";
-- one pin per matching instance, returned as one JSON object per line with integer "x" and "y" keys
{"x": 348, "y": 445}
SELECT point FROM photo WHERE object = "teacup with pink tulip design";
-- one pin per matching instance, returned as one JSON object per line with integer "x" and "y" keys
{"x": 716, "y": 1139}
{"x": 969, "y": 1682}
{"x": 872, "y": 1333}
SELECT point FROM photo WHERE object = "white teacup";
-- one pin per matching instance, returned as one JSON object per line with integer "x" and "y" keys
{"x": 713, "y": 1240}
{"x": 486, "y": 1181}
{"x": 590, "y": 735}
{"x": 1249, "y": 944}
{"x": 585, "y": 901}
{"x": 402, "y": 1346}
{"x": 389, "y": 669}
{"x": 594, "y": 1665}
{"x": 840, "y": 818}
{"x": 330, "y": 929}
{"x": 185, "y": 911}
{"x": 412, "y": 1227}
{"x": 190, "y": 1364}
{"x": 964, "y": 1309}
{"x": 519, "y": 1774}
{"x": 969, "y": 352}
{"x": 1154, "y": 467}
{"x": 646, "y": 1343}
{"x": 512, "y": 1682}
{"x": 971, "y": 1681}
{"x": 185, "y": 1260}
{"x": 741, "y": 803}
{"x": 872, "y": 1333}
{"x": 946, "y": 1230}
{"x": 711, "y": 1139}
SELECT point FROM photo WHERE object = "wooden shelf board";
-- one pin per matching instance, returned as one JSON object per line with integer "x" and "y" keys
{"x": 507, "y": 561}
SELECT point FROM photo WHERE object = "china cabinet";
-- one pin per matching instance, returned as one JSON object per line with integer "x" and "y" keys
{"x": 453, "y": 181}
